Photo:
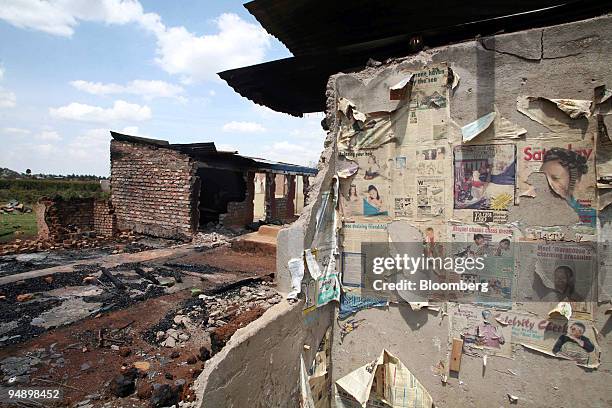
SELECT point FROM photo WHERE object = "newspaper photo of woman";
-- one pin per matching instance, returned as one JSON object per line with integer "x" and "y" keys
{"x": 373, "y": 203}
{"x": 563, "y": 168}
{"x": 372, "y": 169}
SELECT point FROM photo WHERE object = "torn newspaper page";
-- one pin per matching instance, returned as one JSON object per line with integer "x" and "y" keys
{"x": 306, "y": 400}
{"x": 555, "y": 114}
{"x": 400, "y": 90}
{"x": 296, "y": 270}
{"x": 569, "y": 167}
{"x": 325, "y": 241}
{"x": 383, "y": 382}
{"x": 471, "y": 130}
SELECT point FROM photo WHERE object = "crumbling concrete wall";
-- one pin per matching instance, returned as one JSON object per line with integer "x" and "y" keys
{"x": 260, "y": 365}
{"x": 153, "y": 190}
{"x": 555, "y": 62}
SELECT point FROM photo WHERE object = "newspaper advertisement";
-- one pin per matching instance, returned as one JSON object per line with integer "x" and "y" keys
{"x": 324, "y": 248}
{"x": 552, "y": 271}
{"x": 353, "y": 261}
{"x": 480, "y": 331}
{"x": 495, "y": 245}
{"x": 571, "y": 339}
{"x": 368, "y": 196}
{"x": 569, "y": 168}
{"x": 484, "y": 177}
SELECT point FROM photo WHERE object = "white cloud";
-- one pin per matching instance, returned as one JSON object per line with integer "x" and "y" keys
{"x": 237, "y": 43}
{"x": 121, "y": 110}
{"x": 243, "y": 127}
{"x": 225, "y": 147}
{"x": 145, "y": 88}
{"x": 60, "y": 17}
{"x": 294, "y": 153}
{"x": 86, "y": 153}
{"x": 7, "y": 99}
{"x": 133, "y": 131}
{"x": 194, "y": 57}
{"x": 48, "y": 135}
{"x": 45, "y": 149}
{"x": 16, "y": 131}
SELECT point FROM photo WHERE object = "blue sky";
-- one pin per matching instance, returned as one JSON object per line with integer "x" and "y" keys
{"x": 71, "y": 70}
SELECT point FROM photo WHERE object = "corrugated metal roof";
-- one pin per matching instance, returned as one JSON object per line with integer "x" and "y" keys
{"x": 207, "y": 152}
{"x": 328, "y": 37}
{"x": 321, "y": 26}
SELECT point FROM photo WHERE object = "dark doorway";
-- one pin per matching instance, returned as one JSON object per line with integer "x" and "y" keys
{"x": 218, "y": 187}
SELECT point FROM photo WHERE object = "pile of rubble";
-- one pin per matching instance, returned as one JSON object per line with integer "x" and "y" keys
{"x": 213, "y": 238}
{"x": 19, "y": 246}
{"x": 14, "y": 207}
{"x": 219, "y": 316}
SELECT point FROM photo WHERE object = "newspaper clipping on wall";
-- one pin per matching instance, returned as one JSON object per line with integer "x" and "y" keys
{"x": 569, "y": 339}
{"x": 495, "y": 245}
{"x": 484, "y": 177}
{"x": 569, "y": 168}
{"x": 480, "y": 331}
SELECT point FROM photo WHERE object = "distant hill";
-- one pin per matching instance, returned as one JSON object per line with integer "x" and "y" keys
{"x": 8, "y": 173}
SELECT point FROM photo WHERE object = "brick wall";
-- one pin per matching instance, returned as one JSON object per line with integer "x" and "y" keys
{"x": 152, "y": 190}
{"x": 284, "y": 208}
{"x": 66, "y": 219}
{"x": 104, "y": 221}
{"x": 241, "y": 213}
{"x": 60, "y": 219}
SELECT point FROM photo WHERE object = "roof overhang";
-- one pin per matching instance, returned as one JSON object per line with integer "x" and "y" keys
{"x": 330, "y": 37}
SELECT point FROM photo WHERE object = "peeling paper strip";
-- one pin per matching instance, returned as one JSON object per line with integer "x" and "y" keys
{"x": 504, "y": 129}
{"x": 351, "y": 167}
{"x": 305, "y": 393}
{"x": 563, "y": 309}
{"x": 418, "y": 305}
{"x": 553, "y": 113}
{"x": 604, "y": 198}
{"x": 471, "y": 130}
{"x": 398, "y": 91}
{"x": 574, "y": 108}
{"x": 311, "y": 262}
{"x": 455, "y": 79}
{"x": 348, "y": 108}
{"x": 601, "y": 94}
{"x": 296, "y": 269}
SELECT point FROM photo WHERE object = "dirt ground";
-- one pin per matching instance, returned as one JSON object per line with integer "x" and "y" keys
{"x": 213, "y": 293}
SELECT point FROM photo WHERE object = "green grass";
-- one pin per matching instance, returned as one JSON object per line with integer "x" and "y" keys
{"x": 30, "y": 190}
{"x": 10, "y": 223}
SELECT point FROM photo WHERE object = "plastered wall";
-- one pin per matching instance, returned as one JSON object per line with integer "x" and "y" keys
{"x": 560, "y": 62}
{"x": 259, "y": 366}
